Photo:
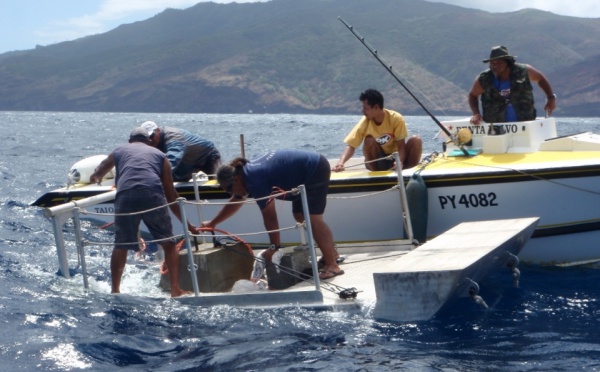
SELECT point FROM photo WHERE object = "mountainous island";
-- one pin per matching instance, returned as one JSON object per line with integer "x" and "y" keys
{"x": 295, "y": 56}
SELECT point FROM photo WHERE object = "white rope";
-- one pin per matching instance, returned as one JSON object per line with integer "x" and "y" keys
{"x": 204, "y": 234}
{"x": 293, "y": 191}
{"x": 388, "y": 157}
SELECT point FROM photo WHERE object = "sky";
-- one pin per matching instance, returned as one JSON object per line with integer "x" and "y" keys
{"x": 27, "y": 23}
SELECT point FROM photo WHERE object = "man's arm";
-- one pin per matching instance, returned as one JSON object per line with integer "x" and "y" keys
{"x": 538, "y": 77}
{"x": 105, "y": 166}
{"x": 347, "y": 154}
{"x": 476, "y": 91}
{"x": 271, "y": 222}
{"x": 174, "y": 150}
{"x": 227, "y": 211}
{"x": 171, "y": 194}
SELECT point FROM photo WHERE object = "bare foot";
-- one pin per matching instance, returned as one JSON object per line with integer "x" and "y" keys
{"x": 179, "y": 293}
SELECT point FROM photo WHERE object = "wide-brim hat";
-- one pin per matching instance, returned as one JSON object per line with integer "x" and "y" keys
{"x": 499, "y": 52}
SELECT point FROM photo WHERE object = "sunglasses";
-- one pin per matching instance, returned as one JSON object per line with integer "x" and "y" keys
{"x": 152, "y": 134}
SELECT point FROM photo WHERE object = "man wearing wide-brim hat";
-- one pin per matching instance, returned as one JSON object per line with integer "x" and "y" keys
{"x": 506, "y": 91}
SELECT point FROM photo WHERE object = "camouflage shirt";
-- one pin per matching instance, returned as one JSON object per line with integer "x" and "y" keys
{"x": 521, "y": 95}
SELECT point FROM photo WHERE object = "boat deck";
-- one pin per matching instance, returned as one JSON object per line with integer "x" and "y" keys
{"x": 361, "y": 261}
{"x": 358, "y": 271}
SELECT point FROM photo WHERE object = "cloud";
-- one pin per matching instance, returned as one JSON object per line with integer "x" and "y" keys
{"x": 110, "y": 14}
{"x": 579, "y": 8}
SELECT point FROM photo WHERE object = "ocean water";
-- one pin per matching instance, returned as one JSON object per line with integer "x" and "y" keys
{"x": 48, "y": 323}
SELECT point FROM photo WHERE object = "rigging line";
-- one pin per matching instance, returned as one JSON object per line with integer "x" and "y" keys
{"x": 388, "y": 157}
{"x": 393, "y": 73}
{"x": 383, "y": 257}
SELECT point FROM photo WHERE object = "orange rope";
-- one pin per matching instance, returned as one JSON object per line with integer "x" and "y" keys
{"x": 106, "y": 225}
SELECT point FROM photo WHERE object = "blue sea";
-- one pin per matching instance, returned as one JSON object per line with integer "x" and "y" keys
{"x": 49, "y": 323}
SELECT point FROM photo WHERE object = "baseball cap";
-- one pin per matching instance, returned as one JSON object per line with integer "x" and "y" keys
{"x": 149, "y": 126}
{"x": 139, "y": 134}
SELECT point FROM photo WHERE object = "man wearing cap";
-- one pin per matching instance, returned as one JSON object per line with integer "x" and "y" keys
{"x": 144, "y": 182}
{"x": 187, "y": 152}
{"x": 506, "y": 91}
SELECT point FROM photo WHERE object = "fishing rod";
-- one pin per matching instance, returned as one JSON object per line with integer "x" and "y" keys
{"x": 393, "y": 73}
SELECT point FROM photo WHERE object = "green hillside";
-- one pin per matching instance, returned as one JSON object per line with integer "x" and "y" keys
{"x": 296, "y": 56}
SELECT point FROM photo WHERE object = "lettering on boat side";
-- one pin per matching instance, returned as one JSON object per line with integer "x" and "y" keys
{"x": 468, "y": 200}
{"x": 482, "y": 129}
{"x": 104, "y": 210}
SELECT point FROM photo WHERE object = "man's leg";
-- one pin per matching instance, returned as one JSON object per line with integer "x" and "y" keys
{"x": 172, "y": 260}
{"x": 414, "y": 150}
{"x": 324, "y": 238}
{"x": 371, "y": 151}
{"x": 117, "y": 266}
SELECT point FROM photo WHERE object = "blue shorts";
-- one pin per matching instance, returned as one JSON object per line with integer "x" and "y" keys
{"x": 158, "y": 220}
{"x": 316, "y": 190}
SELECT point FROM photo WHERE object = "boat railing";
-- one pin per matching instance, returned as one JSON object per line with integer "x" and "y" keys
{"x": 400, "y": 187}
{"x": 73, "y": 210}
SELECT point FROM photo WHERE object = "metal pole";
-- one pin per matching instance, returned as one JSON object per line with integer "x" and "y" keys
{"x": 58, "y": 221}
{"x": 242, "y": 148}
{"x": 191, "y": 264}
{"x": 403, "y": 198}
{"x": 80, "y": 250}
{"x": 199, "y": 207}
{"x": 311, "y": 243}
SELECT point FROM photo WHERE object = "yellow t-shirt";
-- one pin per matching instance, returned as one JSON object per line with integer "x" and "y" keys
{"x": 392, "y": 129}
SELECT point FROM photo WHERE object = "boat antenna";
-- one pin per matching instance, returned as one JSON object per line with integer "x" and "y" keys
{"x": 393, "y": 73}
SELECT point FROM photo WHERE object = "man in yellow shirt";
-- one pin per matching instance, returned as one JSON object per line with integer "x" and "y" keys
{"x": 383, "y": 132}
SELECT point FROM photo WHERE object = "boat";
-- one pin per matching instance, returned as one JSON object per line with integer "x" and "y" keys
{"x": 527, "y": 171}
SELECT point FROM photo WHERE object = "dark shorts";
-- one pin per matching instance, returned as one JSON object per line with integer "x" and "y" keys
{"x": 158, "y": 221}
{"x": 383, "y": 164}
{"x": 316, "y": 190}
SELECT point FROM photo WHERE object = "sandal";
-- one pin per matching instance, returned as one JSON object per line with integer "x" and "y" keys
{"x": 321, "y": 262}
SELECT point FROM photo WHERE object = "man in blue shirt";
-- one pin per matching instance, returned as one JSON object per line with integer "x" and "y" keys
{"x": 187, "y": 152}
{"x": 506, "y": 91}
